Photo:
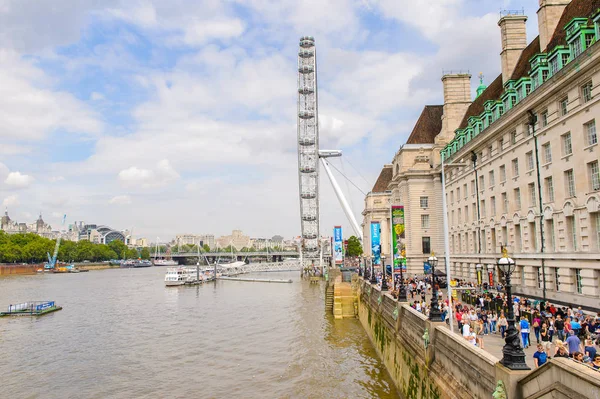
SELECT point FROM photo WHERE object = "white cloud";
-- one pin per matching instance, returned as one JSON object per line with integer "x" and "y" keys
{"x": 120, "y": 200}
{"x": 18, "y": 180}
{"x": 54, "y": 179}
{"x": 161, "y": 175}
{"x": 202, "y": 31}
{"x": 11, "y": 200}
{"x": 30, "y": 109}
{"x": 95, "y": 96}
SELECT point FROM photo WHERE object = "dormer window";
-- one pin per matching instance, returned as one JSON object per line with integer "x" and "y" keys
{"x": 554, "y": 66}
{"x": 576, "y": 48}
{"x": 589, "y": 39}
{"x": 564, "y": 58}
{"x": 544, "y": 75}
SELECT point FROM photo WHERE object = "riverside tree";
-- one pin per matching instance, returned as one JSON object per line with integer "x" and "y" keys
{"x": 354, "y": 246}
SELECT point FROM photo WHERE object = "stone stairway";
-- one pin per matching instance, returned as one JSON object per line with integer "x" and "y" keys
{"x": 329, "y": 299}
{"x": 343, "y": 301}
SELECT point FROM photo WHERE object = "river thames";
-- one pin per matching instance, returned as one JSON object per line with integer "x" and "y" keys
{"x": 123, "y": 334}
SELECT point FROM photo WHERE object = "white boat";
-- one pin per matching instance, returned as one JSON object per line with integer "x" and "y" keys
{"x": 165, "y": 262}
{"x": 183, "y": 275}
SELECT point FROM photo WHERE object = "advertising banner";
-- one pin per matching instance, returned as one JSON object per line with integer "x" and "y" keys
{"x": 338, "y": 253}
{"x": 376, "y": 242}
{"x": 398, "y": 234}
{"x": 479, "y": 277}
{"x": 426, "y": 268}
{"x": 491, "y": 277}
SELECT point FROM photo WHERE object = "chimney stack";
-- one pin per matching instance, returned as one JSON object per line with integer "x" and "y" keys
{"x": 548, "y": 16}
{"x": 457, "y": 98}
{"x": 514, "y": 41}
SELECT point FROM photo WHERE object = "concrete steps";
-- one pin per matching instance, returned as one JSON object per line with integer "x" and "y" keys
{"x": 329, "y": 299}
{"x": 343, "y": 301}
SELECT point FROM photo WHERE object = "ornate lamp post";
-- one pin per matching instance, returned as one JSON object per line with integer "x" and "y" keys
{"x": 384, "y": 284}
{"x": 434, "y": 312}
{"x": 402, "y": 289}
{"x": 360, "y": 266}
{"x": 513, "y": 356}
{"x": 372, "y": 274}
{"x": 478, "y": 267}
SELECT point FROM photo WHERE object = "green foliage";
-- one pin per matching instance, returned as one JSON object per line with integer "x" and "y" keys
{"x": 145, "y": 254}
{"x": 31, "y": 248}
{"x": 206, "y": 248}
{"x": 354, "y": 247}
{"x": 120, "y": 249}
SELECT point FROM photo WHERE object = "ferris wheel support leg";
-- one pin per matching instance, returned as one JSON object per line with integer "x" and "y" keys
{"x": 342, "y": 199}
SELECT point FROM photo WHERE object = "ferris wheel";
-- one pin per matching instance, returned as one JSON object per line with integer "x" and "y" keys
{"x": 308, "y": 147}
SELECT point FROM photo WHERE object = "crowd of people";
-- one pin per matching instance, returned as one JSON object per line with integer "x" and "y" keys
{"x": 558, "y": 331}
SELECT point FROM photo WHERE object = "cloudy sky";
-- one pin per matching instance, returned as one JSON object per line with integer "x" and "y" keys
{"x": 179, "y": 116}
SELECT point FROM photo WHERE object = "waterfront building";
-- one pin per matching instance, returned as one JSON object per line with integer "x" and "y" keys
{"x": 377, "y": 209}
{"x": 38, "y": 227}
{"x": 236, "y": 239}
{"x": 523, "y": 162}
{"x": 99, "y": 234}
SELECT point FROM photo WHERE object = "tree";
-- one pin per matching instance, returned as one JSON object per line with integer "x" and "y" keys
{"x": 354, "y": 247}
{"x": 120, "y": 248}
{"x": 145, "y": 254}
{"x": 206, "y": 248}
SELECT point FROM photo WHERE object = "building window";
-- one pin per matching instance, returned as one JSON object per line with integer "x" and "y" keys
{"x": 589, "y": 39}
{"x": 563, "y": 106}
{"x": 572, "y": 232}
{"x": 576, "y": 48}
{"x": 578, "y": 281}
{"x": 473, "y": 186}
{"x": 492, "y": 178}
{"x": 596, "y": 225}
{"x": 594, "y": 175}
{"x": 513, "y": 137}
{"x": 451, "y": 197}
{"x": 544, "y": 118}
{"x": 504, "y": 205}
{"x": 531, "y": 190}
{"x": 564, "y": 58}
{"x": 566, "y": 144}
{"x": 458, "y": 197}
{"x": 500, "y": 145}
{"x": 554, "y": 65}
{"x": 556, "y": 279}
{"x": 425, "y": 221}
{"x": 426, "y": 244}
{"x": 481, "y": 183}
{"x": 586, "y": 92}
{"x": 547, "y": 151}
{"x": 532, "y": 237}
{"x": 517, "y": 192}
{"x": 529, "y": 160}
{"x": 474, "y": 211}
{"x": 518, "y": 240}
{"x": 490, "y": 150}
{"x": 502, "y": 173}
{"x": 493, "y": 206}
{"x": 466, "y": 213}
{"x": 590, "y": 129}
{"x": 424, "y": 202}
{"x": 482, "y": 208}
{"x": 539, "y": 276}
{"x": 570, "y": 183}
{"x": 549, "y": 189}
{"x": 466, "y": 190}
{"x": 550, "y": 233}
{"x": 459, "y": 216}
{"x": 544, "y": 75}
{"x": 515, "y": 167}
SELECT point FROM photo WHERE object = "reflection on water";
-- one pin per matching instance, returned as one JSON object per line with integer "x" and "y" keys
{"x": 122, "y": 334}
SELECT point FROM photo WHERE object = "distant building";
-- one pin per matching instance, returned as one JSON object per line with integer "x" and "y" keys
{"x": 195, "y": 239}
{"x": 38, "y": 227}
{"x": 236, "y": 239}
{"x": 100, "y": 234}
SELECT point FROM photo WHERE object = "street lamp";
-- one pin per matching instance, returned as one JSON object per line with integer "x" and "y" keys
{"x": 360, "y": 264}
{"x": 384, "y": 285}
{"x": 402, "y": 289}
{"x": 513, "y": 356}
{"x": 434, "y": 312}
{"x": 373, "y": 279}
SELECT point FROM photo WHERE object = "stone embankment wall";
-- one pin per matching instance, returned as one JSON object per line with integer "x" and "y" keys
{"x": 440, "y": 364}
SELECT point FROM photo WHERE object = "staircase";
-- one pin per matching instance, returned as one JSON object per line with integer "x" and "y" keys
{"x": 343, "y": 301}
{"x": 329, "y": 299}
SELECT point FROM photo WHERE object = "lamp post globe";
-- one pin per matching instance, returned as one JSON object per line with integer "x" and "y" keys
{"x": 373, "y": 279}
{"x": 434, "y": 312}
{"x": 384, "y": 284}
{"x": 513, "y": 356}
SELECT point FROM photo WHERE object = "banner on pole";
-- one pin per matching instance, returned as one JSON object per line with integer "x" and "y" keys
{"x": 337, "y": 245}
{"x": 398, "y": 234}
{"x": 376, "y": 242}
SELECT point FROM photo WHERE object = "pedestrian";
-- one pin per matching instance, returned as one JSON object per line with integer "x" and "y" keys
{"x": 559, "y": 326}
{"x": 524, "y": 327}
{"x": 545, "y": 336}
{"x": 540, "y": 356}
{"x": 590, "y": 350}
{"x": 537, "y": 323}
{"x": 503, "y": 324}
{"x": 561, "y": 349}
{"x": 494, "y": 322}
{"x": 596, "y": 362}
{"x": 573, "y": 343}
{"x": 551, "y": 328}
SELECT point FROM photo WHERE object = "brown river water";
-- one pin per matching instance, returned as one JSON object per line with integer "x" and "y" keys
{"x": 123, "y": 334}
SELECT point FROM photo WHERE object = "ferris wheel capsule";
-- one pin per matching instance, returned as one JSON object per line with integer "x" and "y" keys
{"x": 306, "y": 69}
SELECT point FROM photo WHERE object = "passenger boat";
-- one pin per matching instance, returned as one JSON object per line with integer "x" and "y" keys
{"x": 182, "y": 275}
{"x": 165, "y": 262}
{"x": 135, "y": 263}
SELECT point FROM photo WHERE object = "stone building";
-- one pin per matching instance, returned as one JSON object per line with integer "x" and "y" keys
{"x": 377, "y": 209}
{"x": 236, "y": 239}
{"x": 537, "y": 118}
{"x": 535, "y": 125}
{"x": 38, "y": 227}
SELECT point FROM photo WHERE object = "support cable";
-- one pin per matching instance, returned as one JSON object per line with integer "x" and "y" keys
{"x": 346, "y": 177}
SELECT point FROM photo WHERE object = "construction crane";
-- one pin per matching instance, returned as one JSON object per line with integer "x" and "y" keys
{"x": 52, "y": 260}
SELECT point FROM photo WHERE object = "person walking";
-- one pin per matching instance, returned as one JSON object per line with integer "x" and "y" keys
{"x": 545, "y": 336}
{"x": 494, "y": 322}
{"x": 540, "y": 356}
{"x": 503, "y": 324}
{"x": 537, "y": 323}
{"x": 559, "y": 326}
{"x": 573, "y": 343}
{"x": 524, "y": 327}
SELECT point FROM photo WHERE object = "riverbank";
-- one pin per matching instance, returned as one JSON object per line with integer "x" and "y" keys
{"x": 9, "y": 270}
